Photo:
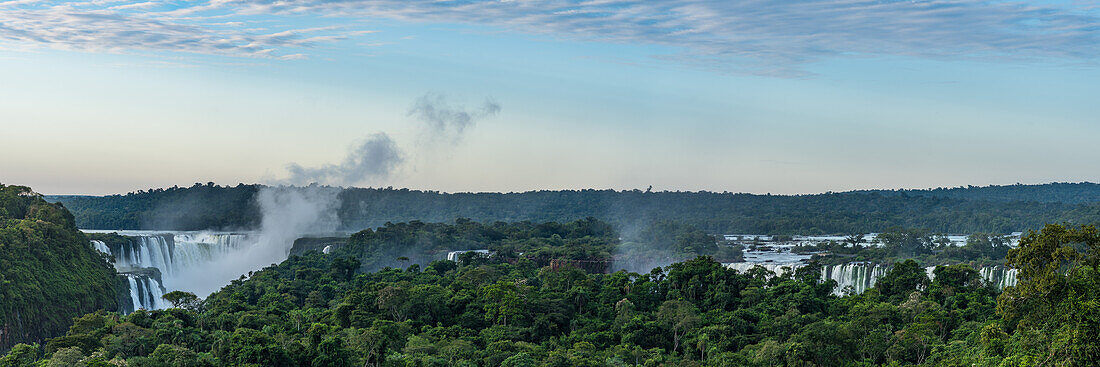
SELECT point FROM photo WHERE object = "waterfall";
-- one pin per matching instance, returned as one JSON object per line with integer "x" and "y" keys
{"x": 862, "y": 276}
{"x": 151, "y": 251}
{"x": 858, "y": 277}
{"x": 135, "y": 293}
{"x": 999, "y": 276}
{"x": 195, "y": 249}
{"x": 171, "y": 253}
{"x": 155, "y": 262}
{"x": 101, "y": 247}
{"x": 146, "y": 292}
{"x": 454, "y": 255}
{"x": 156, "y": 294}
{"x": 853, "y": 278}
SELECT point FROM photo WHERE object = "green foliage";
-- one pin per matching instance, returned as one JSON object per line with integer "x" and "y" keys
{"x": 317, "y": 310}
{"x": 494, "y": 312}
{"x": 1057, "y": 192}
{"x": 48, "y": 272}
{"x": 181, "y": 299}
{"x": 903, "y": 279}
{"x": 907, "y": 243}
{"x": 1055, "y": 298}
{"x": 588, "y": 243}
{"x": 177, "y": 356}
{"x": 678, "y": 317}
{"x": 20, "y": 355}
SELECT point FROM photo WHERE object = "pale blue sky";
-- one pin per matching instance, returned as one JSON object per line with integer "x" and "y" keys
{"x": 110, "y": 96}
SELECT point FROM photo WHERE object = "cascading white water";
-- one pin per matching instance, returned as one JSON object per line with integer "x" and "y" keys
{"x": 202, "y": 262}
{"x": 196, "y": 249}
{"x": 172, "y": 255}
{"x": 854, "y": 277}
{"x": 151, "y": 251}
{"x": 145, "y": 292}
{"x": 135, "y": 292}
{"x": 999, "y": 276}
{"x": 856, "y": 274}
{"x": 859, "y": 277}
{"x": 156, "y": 294}
{"x": 101, "y": 247}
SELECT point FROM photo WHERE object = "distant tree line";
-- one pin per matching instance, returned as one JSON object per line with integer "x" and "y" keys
{"x": 993, "y": 209}
{"x": 1057, "y": 192}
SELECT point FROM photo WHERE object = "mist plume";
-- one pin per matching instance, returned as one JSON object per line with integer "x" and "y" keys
{"x": 376, "y": 157}
{"x": 288, "y": 213}
{"x": 443, "y": 120}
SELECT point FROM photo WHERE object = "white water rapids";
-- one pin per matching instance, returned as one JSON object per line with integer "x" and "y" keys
{"x": 859, "y": 277}
{"x": 155, "y": 262}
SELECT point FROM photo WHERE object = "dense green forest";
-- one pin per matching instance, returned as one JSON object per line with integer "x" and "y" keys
{"x": 48, "y": 273}
{"x": 1058, "y": 192}
{"x": 993, "y": 209}
{"x": 317, "y": 310}
{"x": 588, "y": 243}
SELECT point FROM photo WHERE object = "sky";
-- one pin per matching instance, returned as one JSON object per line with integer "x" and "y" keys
{"x": 803, "y": 96}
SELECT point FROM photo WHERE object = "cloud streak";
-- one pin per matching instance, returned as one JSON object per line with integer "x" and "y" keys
{"x": 754, "y": 36}
{"x": 121, "y": 27}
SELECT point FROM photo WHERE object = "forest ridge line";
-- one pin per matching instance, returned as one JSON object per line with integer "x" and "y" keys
{"x": 996, "y": 209}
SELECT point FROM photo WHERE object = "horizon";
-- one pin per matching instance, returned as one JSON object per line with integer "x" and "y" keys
{"x": 782, "y": 97}
{"x": 655, "y": 190}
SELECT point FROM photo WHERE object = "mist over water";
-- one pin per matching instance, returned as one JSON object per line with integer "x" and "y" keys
{"x": 288, "y": 214}
{"x": 636, "y": 254}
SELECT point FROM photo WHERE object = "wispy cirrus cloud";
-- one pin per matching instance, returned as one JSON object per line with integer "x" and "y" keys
{"x": 753, "y": 36}
{"x": 757, "y": 36}
{"x": 123, "y": 26}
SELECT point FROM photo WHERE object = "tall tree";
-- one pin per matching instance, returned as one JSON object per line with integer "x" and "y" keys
{"x": 679, "y": 317}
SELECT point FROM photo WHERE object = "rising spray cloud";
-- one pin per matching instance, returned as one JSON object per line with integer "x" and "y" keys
{"x": 291, "y": 212}
{"x": 375, "y": 157}
{"x": 288, "y": 213}
{"x": 441, "y": 120}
